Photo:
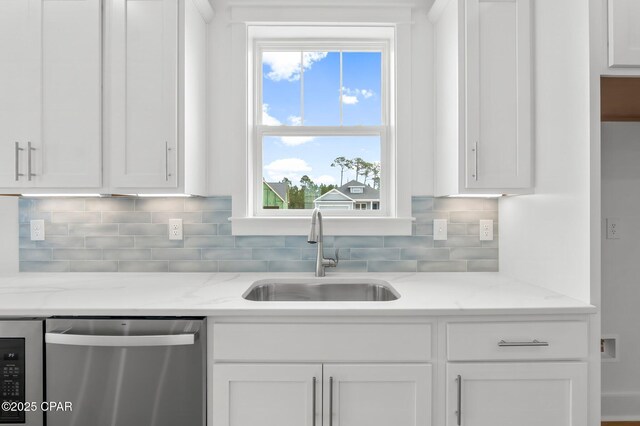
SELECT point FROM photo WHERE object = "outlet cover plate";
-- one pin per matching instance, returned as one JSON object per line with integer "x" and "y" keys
{"x": 439, "y": 229}
{"x": 486, "y": 230}
{"x": 613, "y": 228}
{"x": 37, "y": 230}
{"x": 175, "y": 229}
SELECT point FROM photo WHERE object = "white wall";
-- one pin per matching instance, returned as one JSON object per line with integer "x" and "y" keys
{"x": 223, "y": 137}
{"x": 544, "y": 238}
{"x": 9, "y": 241}
{"x": 621, "y": 268}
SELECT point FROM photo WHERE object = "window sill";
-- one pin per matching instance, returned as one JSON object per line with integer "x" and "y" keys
{"x": 332, "y": 225}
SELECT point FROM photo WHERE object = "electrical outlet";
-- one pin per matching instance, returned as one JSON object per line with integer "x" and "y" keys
{"x": 439, "y": 229}
{"x": 37, "y": 230}
{"x": 486, "y": 230}
{"x": 175, "y": 229}
{"x": 613, "y": 228}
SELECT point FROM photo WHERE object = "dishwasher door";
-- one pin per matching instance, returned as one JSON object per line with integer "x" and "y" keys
{"x": 126, "y": 372}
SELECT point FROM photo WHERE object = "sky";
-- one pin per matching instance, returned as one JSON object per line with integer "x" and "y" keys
{"x": 293, "y": 157}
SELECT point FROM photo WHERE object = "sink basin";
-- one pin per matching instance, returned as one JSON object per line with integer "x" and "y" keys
{"x": 321, "y": 290}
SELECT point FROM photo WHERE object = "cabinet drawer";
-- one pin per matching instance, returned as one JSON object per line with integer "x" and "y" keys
{"x": 517, "y": 340}
{"x": 321, "y": 342}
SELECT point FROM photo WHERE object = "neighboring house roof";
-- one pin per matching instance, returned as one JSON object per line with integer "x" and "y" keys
{"x": 279, "y": 188}
{"x": 334, "y": 195}
{"x": 368, "y": 193}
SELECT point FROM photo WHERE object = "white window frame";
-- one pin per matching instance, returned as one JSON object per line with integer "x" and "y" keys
{"x": 249, "y": 218}
{"x": 382, "y": 131}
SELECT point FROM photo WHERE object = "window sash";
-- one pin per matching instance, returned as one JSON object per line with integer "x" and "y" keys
{"x": 385, "y": 178}
{"x": 349, "y": 45}
{"x": 383, "y": 131}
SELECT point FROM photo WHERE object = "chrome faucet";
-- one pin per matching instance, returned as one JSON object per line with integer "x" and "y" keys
{"x": 316, "y": 237}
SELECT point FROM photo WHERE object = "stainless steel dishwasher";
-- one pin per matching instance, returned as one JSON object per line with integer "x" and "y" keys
{"x": 126, "y": 372}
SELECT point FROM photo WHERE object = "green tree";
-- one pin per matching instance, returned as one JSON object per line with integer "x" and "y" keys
{"x": 326, "y": 188}
{"x": 361, "y": 166}
{"x": 343, "y": 163}
{"x": 367, "y": 170}
{"x": 296, "y": 197}
{"x": 306, "y": 181}
{"x": 311, "y": 191}
{"x": 375, "y": 171}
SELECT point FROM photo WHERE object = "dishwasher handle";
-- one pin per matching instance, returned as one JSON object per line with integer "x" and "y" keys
{"x": 120, "y": 341}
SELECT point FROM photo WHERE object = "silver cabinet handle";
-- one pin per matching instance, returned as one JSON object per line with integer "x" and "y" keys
{"x": 330, "y": 401}
{"x": 166, "y": 160}
{"x": 119, "y": 341}
{"x": 313, "y": 403}
{"x": 503, "y": 343}
{"x": 459, "y": 410}
{"x": 29, "y": 149}
{"x": 475, "y": 151}
{"x": 17, "y": 155}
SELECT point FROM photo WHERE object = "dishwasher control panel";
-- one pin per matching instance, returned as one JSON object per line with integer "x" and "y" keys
{"x": 12, "y": 376}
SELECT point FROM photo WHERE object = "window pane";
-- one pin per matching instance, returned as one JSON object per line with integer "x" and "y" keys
{"x": 361, "y": 88}
{"x": 280, "y": 88}
{"x": 298, "y": 172}
{"x": 321, "y": 88}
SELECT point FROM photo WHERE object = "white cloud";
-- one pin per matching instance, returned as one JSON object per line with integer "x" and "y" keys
{"x": 292, "y": 168}
{"x": 366, "y": 93}
{"x": 349, "y": 99}
{"x": 326, "y": 179}
{"x": 268, "y": 120}
{"x": 294, "y": 120}
{"x": 286, "y": 65}
{"x": 296, "y": 140}
{"x": 353, "y": 96}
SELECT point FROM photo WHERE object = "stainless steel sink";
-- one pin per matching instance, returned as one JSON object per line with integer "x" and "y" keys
{"x": 321, "y": 290}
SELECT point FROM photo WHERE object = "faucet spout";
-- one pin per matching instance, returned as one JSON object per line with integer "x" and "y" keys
{"x": 316, "y": 236}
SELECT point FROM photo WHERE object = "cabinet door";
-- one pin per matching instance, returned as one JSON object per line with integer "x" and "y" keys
{"x": 377, "y": 395}
{"x": 498, "y": 105}
{"x": 19, "y": 74}
{"x": 143, "y": 66}
{"x": 67, "y": 145}
{"x": 624, "y": 38}
{"x": 507, "y": 394}
{"x": 267, "y": 394}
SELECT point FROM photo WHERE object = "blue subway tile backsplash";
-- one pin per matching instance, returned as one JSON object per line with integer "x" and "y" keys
{"x": 127, "y": 234}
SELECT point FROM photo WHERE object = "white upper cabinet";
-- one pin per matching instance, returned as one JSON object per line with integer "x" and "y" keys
{"x": 156, "y": 84}
{"x": 624, "y": 36}
{"x": 483, "y": 96}
{"x": 143, "y": 70}
{"x": 50, "y": 94}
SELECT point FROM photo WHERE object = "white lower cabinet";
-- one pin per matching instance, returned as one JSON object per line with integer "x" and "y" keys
{"x": 267, "y": 394}
{"x": 506, "y": 394}
{"x": 322, "y": 394}
{"x": 523, "y": 394}
{"x": 467, "y": 371}
{"x": 377, "y": 395}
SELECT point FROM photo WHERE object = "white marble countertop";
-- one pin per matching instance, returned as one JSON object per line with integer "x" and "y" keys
{"x": 200, "y": 294}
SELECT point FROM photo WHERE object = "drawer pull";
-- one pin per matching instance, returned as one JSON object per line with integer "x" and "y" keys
{"x": 503, "y": 343}
{"x": 17, "y": 157}
{"x": 459, "y": 408}
{"x": 29, "y": 151}
{"x": 330, "y": 401}
{"x": 313, "y": 403}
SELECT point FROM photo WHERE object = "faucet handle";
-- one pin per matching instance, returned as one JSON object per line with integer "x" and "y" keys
{"x": 337, "y": 256}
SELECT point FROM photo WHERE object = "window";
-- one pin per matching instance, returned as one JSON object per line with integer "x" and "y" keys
{"x": 321, "y": 136}
{"x": 317, "y": 95}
